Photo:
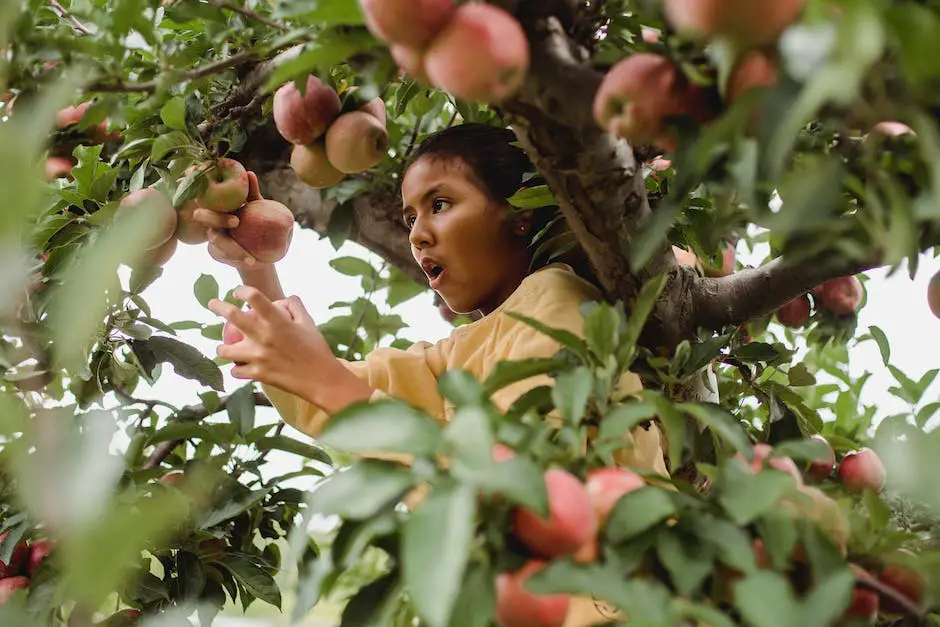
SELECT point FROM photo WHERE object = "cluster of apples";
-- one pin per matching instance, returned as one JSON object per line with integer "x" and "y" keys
{"x": 841, "y": 297}
{"x": 577, "y": 514}
{"x": 60, "y": 165}
{"x": 15, "y": 574}
{"x": 473, "y": 51}
{"x": 329, "y": 144}
{"x": 264, "y": 230}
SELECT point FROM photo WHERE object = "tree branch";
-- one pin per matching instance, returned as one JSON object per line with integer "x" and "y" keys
{"x": 64, "y": 13}
{"x": 717, "y": 302}
{"x": 225, "y": 4}
{"x": 193, "y": 413}
{"x": 909, "y": 607}
{"x": 194, "y": 74}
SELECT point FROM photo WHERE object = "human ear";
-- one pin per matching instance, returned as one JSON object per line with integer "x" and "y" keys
{"x": 522, "y": 223}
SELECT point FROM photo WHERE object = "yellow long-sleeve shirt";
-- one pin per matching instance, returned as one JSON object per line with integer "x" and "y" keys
{"x": 553, "y": 296}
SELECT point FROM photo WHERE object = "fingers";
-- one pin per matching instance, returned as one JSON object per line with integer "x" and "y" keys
{"x": 296, "y": 309}
{"x": 246, "y": 321}
{"x": 259, "y": 303}
{"x": 224, "y": 249}
{"x": 254, "y": 189}
{"x": 214, "y": 219}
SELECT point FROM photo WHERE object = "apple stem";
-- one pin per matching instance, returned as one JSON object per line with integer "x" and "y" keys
{"x": 882, "y": 590}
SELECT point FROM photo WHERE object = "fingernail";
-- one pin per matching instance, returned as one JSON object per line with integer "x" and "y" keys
{"x": 233, "y": 222}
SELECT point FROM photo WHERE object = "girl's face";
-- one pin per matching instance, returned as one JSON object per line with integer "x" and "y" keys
{"x": 473, "y": 255}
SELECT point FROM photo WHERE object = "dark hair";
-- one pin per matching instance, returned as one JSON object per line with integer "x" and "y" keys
{"x": 500, "y": 166}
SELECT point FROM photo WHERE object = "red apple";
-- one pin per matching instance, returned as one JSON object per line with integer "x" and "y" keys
{"x": 302, "y": 119}
{"x": 795, "y": 313}
{"x": 57, "y": 167}
{"x": 728, "y": 260}
{"x": 413, "y": 23}
{"x": 571, "y": 521}
{"x": 891, "y": 129}
{"x": 841, "y": 296}
{"x": 232, "y": 334}
{"x": 747, "y": 22}
{"x": 757, "y": 68}
{"x": 517, "y": 607}
{"x": 864, "y": 606}
{"x": 822, "y": 468}
{"x": 227, "y": 187}
{"x": 502, "y": 453}
{"x": 605, "y": 486}
{"x": 124, "y": 618}
{"x": 685, "y": 257}
{"x": 862, "y": 470}
{"x": 39, "y": 551}
{"x": 762, "y": 454}
{"x": 17, "y": 562}
{"x": 10, "y": 585}
{"x": 155, "y": 201}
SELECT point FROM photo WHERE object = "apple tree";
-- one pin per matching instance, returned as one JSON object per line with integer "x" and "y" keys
{"x": 672, "y": 136}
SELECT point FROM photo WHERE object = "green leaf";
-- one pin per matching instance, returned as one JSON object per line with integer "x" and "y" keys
{"x": 253, "y": 577}
{"x": 827, "y": 601}
{"x": 765, "y": 600}
{"x": 352, "y": 266}
{"x": 721, "y": 422}
{"x": 290, "y": 445}
{"x": 637, "y": 512}
{"x": 384, "y": 426}
{"x": 745, "y": 496}
{"x": 687, "y": 559}
{"x": 241, "y": 409}
{"x": 371, "y": 602}
{"x": 883, "y": 344}
{"x": 436, "y": 544}
{"x": 173, "y": 113}
{"x": 183, "y": 431}
{"x": 507, "y": 372}
{"x": 461, "y": 388}
{"x": 572, "y": 392}
{"x": 645, "y": 301}
{"x": 800, "y": 376}
{"x": 623, "y": 418}
{"x": 167, "y": 143}
{"x": 602, "y": 331}
{"x": 187, "y": 361}
{"x": 361, "y": 490}
{"x": 533, "y": 198}
{"x": 231, "y": 508}
{"x": 477, "y": 599}
{"x": 402, "y": 288}
{"x": 206, "y": 288}
{"x": 563, "y": 337}
{"x": 706, "y": 615}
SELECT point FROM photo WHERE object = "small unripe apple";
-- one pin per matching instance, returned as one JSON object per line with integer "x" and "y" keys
{"x": 605, "y": 486}
{"x": 933, "y": 295}
{"x": 482, "y": 54}
{"x": 302, "y": 119}
{"x": 891, "y": 129}
{"x": 227, "y": 186}
{"x": 795, "y": 313}
{"x": 265, "y": 229}
{"x": 312, "y": 166}
{"x": 822, "y": 468}
{"x": 650, "y": 35}
{"x": 356, "y": 142}
{"x": 157, "y": 202}
{"x": 571, "y": 521}
{"x": 412, "y": 23}
{"x": 657, "y": 165}
{"x": 841, "y": 296}
{"x": 38, "y": 552}
{"x": 188, "y": 231}
{"x": 862, "y": 470}
{"x": 517, "y": 607}
{"x": 638, "y": 95}
{"x": 17, "y": 561}
{"x": 10, "y": 585}
{"x": 173, "y": 478}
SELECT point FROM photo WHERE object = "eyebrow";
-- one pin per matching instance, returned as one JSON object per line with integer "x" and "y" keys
{"x": 434, "y": 189}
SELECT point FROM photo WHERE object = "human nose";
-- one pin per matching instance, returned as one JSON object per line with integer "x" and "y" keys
{"x": 421, "y": 235}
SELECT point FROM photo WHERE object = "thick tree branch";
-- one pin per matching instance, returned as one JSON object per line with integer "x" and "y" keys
{"x": 595, "y": 177}
{"x": 193, "y": 413}
{"x": 717, "y": 302}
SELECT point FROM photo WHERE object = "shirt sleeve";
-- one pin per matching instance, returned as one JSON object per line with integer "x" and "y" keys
{"x": 404, "y": 374}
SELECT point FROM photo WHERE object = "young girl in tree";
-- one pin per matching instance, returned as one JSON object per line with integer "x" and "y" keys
{"x": 475, "y": 250}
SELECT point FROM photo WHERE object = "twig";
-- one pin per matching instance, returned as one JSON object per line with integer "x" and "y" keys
{"x": 78, "y": 26}
{"x": 225, "y": 4}
{"x": 193, "y": 413}
{"x": 414, "y": 136}
{"x": 882, "y": 590}
{"x": 194, "y": 74}
{"x": 150, "y": 403}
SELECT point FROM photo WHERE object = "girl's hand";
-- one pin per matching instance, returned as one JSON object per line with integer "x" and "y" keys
{"x": 284, "y": 348}
{"x": 222, "y": 247}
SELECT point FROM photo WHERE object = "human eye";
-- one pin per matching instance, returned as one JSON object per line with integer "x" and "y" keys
{"x": 440, "y": 204}
{"x": 408, "y": 220}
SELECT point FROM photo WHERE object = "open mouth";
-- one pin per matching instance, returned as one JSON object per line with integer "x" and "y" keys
{"x": 434, "y": 271}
